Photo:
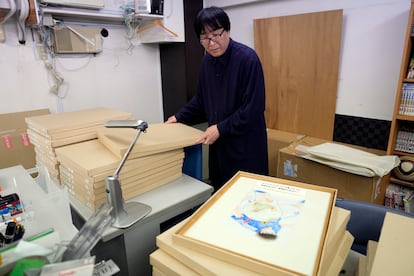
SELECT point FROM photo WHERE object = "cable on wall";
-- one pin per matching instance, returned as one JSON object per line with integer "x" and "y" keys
{"x": 11, "y": 12}
{"x": 22, "y": 14}
{"x": 132, "y": 23}
{"x": 42, "y": 39}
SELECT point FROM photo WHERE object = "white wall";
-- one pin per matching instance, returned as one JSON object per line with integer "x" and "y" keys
{"x": 120, "y": 77}
{"x": 372, "y": 44}
{"x": 373, "y": 35}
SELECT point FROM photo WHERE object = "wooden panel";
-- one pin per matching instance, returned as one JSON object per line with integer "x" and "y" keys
{"x": 157, "y": 138}
{"x": 32, "y": 18}
{"x": 300, "y": 56}
{"x": 93, "y": 159}
{"x": 393, "y": 255}
{"x": 51, "y": 124}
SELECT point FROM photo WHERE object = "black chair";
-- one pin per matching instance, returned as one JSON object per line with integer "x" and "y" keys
{"x": 366, "y": 221}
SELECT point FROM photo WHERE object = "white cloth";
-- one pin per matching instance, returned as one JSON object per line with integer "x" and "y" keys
{"x": 350, "y": 159}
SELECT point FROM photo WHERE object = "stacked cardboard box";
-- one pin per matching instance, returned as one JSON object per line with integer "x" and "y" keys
{"x": 276, "y": 140}
{"x": 16, "y": 148}
{"x": 48, "y": 132}
{"x": 156, "y": 159}
{"x": 172, "y": 258}
{"x": 292, "y": 166}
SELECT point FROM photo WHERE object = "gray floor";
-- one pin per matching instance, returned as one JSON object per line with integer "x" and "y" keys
{"x": 350, "y": 267}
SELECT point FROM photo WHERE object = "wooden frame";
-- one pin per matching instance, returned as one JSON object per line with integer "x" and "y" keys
{"x": 297, "y": 213}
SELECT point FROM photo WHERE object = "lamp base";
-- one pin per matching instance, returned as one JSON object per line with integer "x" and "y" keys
{"x": 133, "y": 212}
{"x": 124, "y": 213}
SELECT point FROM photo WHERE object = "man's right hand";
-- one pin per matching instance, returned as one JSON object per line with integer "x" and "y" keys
{"x": 171, "y": 120}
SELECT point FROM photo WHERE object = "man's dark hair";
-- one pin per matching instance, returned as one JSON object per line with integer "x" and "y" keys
{"x": 211, "y": 18}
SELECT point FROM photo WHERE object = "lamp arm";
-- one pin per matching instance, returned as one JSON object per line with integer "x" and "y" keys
{"x": 125, "y": 157}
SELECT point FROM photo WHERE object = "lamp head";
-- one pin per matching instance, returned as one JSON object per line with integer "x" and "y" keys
{"x": 136, "y": 124}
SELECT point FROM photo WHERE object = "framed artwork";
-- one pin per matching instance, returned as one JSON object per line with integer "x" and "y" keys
{"x": 264, "y": 224}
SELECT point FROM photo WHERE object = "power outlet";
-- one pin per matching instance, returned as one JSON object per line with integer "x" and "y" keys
{"x": 2, "y": 34}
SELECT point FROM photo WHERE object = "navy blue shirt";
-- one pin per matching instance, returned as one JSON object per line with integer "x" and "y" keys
{"x": 231, "y": 94}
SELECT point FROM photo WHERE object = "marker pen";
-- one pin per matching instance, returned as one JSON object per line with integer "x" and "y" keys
{"x": 10, "y": 232}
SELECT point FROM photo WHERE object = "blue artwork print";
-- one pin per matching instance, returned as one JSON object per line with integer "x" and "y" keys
{"x": 264, "y": 212}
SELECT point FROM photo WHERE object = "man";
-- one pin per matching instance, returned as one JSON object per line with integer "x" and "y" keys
{"x": 231, "y": 97}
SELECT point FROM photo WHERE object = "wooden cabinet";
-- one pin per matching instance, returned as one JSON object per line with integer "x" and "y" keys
{"x": 401, "y": 140}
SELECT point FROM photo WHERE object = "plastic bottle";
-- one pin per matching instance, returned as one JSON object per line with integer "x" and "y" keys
{"x": 6, "y": 214}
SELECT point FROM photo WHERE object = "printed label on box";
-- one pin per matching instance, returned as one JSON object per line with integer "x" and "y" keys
{"x": 290, "y": 169}
{"x": 24, "y": 137}
{"x": 7, "y": 142}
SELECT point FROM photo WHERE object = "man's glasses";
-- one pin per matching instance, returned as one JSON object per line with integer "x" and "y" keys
{"x": 214, "y": 38}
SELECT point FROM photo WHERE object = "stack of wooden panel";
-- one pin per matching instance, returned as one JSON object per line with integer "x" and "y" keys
{"x": 157, "y": 158}
{"x": 48, "y": 132}
{"x": 173, "y": 258}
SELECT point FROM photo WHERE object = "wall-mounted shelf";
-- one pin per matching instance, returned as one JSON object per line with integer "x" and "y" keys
{"x": 172, "y": 20}
{"x": 84, "y": 15}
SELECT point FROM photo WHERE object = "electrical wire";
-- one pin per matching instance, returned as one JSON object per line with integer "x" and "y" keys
{"x": 12, "y": 11}
{"x": 22, "y": 14}
{"x": 57, "y": 77}
{"x": 132, "y": 23}
{"x": 47, "y": 59}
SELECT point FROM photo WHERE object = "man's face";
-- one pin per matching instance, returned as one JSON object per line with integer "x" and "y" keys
{"x": 215, "y": 42}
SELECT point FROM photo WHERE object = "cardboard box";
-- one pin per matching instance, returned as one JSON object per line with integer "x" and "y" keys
{"x": 350, "y": 186}
{"x": 276, "y": 140}
{"x": 15, "y": 147}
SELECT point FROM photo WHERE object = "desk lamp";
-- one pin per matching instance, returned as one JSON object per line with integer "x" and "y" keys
{"x": 125, "y": 214}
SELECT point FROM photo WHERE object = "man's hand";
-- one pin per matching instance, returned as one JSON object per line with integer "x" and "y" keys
{"x": 171, "y": 120}
{"x": 209, "y": 136}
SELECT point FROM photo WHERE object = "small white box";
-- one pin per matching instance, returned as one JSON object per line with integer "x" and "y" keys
{"x": 142, "y": 6}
